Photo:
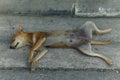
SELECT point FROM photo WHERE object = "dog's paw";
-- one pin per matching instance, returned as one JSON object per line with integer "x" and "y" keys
{"x": 33, "y": 66}
{"x": 32, "y": 69}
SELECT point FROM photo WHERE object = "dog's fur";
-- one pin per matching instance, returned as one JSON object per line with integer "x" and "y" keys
{"x": 79, "y": 39}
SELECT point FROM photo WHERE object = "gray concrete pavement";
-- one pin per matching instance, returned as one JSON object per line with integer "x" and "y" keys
{"x": 85, "y": 8}
{"x": 58, "y": 58}
{"x": 35, "y": 7}
{"x": 58, "y": 75}
{"x": 97, "y": 8}
{"x": 59, "y": 64}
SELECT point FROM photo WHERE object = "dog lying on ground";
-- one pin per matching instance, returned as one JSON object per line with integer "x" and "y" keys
{"x": 79, "y": 39}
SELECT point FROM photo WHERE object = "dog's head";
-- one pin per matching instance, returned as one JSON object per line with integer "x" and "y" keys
{"x": 18, "y": 39}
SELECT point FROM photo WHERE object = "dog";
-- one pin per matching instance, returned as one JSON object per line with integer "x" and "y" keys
{"x": 79, "y": 39}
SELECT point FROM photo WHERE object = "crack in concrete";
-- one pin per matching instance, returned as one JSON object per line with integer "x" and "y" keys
{"x": 61, "y": 69}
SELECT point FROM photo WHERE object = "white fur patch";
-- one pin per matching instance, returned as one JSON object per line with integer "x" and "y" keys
{"x": 34, "y": 40}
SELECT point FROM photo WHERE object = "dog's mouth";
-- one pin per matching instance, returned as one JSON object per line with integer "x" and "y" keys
{"x": 14, "y": 47}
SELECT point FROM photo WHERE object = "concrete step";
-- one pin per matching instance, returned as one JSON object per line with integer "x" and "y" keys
{"x": 97, "y": 8}
{"x": 36, "y": 7}
{"x": 58, "y": 58}
{"x": 81, "y": 8}
{"x": 58, "y": 75}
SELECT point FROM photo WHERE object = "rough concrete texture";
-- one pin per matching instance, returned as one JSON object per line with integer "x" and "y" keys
{"x": 97, "y": 8}
{"x": 83, "y": 8}
{"x": 57, "y": 75}
{"x": 58, "y": 58}
{"x": 35, "y": 7}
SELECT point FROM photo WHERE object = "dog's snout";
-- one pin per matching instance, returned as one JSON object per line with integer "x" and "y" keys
{"x": 12, "y": 47}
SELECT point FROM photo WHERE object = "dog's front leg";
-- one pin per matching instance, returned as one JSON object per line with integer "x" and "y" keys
{"x": 35, "y": 47}
{"x": 41, "y": 53}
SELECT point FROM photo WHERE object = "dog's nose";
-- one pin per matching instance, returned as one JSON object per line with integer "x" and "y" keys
{"x": 11, "y": 47}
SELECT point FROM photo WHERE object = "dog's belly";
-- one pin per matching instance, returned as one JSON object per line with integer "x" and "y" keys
{"x": 52, "y": 39}
{"x": 69, "y": 38}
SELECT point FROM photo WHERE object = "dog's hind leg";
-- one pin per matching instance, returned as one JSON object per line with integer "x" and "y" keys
{"x": 40, "y": 54}
{"x": 94, "y": 42}
{"x": 89, "y": 25}
{"x": 86, "y": 49}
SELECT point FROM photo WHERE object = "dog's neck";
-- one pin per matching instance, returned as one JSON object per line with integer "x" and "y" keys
{"x": 28, "y": 38}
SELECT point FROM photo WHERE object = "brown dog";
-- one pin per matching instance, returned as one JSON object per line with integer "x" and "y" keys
{"x": 79, "y": 39}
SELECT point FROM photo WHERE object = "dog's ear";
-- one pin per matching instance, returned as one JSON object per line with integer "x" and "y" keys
{"x": 20, "y": 28}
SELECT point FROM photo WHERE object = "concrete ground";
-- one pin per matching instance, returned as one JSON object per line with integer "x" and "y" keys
{"x": 57, "y": 75}
{"x": 61, "y": 60}
{"x": 59, "y": 64}
{"x": 81, "y": 8}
